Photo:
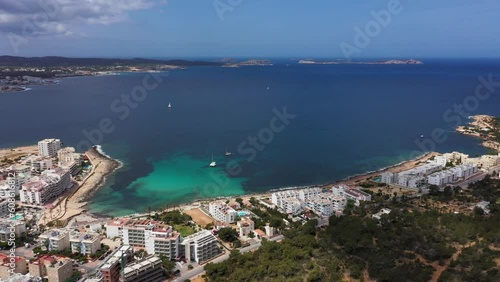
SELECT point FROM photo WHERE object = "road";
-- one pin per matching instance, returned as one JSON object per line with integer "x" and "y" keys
{"x": 199, "y": 269}
{"x": 464, "y": 184}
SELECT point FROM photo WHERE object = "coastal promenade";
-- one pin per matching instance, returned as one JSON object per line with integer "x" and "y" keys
{"x": 74, "y": 204}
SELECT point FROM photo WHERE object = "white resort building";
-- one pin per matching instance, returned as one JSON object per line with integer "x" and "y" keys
{"x": 222, "y": 212}
{"x": 41, "y": 189}
{"x": 49, "y": 147}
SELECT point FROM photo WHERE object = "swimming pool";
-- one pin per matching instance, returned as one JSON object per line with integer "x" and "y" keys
{"x": 242, "y": 213}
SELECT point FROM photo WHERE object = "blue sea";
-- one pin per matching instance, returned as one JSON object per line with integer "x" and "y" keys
{"x": 285, "y": 125}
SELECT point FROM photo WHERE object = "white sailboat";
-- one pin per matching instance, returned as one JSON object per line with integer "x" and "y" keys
{"x": 227, "y": 153}
{"x": 169, "y": 105}
{"x": 213, "y": 163}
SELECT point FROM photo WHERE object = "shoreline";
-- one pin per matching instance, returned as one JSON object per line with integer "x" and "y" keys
{"x": 482, "y": 127}
{"x": 73, "y": 204}
{"x": 351, "y": 181}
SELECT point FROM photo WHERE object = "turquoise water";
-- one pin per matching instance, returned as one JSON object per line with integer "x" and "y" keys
{"x": 173, "y": 179}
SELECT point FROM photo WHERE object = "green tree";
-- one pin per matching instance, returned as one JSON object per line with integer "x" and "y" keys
{"x": 228, "y": 234}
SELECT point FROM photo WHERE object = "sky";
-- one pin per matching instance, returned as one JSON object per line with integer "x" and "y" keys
{"x": 251, "y": 28}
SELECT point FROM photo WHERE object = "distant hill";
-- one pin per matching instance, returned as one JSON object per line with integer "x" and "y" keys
{"x": 54, "y": 61}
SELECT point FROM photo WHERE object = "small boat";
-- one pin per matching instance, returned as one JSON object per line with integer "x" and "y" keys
{"x": 213, "y": 164}
{"x": 422, "y": 136}
{"x": 169, "y": 105}
{"x": 227, "y": 153}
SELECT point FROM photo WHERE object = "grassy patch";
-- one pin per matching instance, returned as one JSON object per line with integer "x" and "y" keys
{"x": 184, "y": 230}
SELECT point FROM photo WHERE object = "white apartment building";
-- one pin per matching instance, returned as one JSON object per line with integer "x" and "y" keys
{"x": 245, "y": 226}
{"x": 387, "y": 177}
{"x": 305, "y": 194}
{"x": 15, "y": 181}
{"x": 147, "y": 270}
{"x": 114, "y": 228}
{"x": 155, "y": 237}
{"x": 4, "y": 208}
{"x": 222, "y": 212}
{"x": 293, "y": 201}
{"x": 441, "y": 160}
{"x": 201, "y": 246}
{"x": 47, "y": 186}
{"x": 415, "y": 177}
{"x": 67, "y": 156}
{"x": 416, "y": 181}
{"x": 292, "y": 205}
{"x": 485, "y": 161}
{"x": 338, "y": 203}
{"x": 351, "y": 193}
{"x": 322, "y": 206}
{"x": 19, "y": 168}
{"x": 55, "y": 239}
{"x": 452, "y": 175}
{"x": 49, "y": 147}
{"x": 39, "y": 164}
{"x": 163, "y": 241}
{"x": 440, "y": 178}
{"x": 84, "y": 243}
{"x": 6, "y": 226}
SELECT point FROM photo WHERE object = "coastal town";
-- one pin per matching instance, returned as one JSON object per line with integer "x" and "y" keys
{"x": 48, "y": 235}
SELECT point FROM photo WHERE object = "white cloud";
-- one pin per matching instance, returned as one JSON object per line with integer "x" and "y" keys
{"x": 57, "y": 17}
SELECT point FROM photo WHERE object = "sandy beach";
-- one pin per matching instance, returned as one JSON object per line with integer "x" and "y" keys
{"x": 13, "y": 153}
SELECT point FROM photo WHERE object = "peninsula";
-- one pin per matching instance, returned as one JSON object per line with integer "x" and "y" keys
{"x": 343, "y": 62}
{"x": 484, "y": 127}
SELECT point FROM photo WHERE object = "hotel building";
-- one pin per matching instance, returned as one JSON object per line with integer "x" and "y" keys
{"x": 49, "y": 147}
{"x": 201, "y": 246}
{"x": 147, "y": 270}
{"x": 114, "y": 228}
{"x": 111, "y": 268}
{"x": 222, "y": 212}
{"x": 155, "y": 237}
{"x": 41, "y": 189}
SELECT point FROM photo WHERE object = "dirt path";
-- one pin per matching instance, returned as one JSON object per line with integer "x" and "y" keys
{"x": 439, "y": 269}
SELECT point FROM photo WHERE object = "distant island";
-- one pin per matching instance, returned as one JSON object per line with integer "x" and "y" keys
{"x": 248, "y": 63}
{"x": 388, "y": 62}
